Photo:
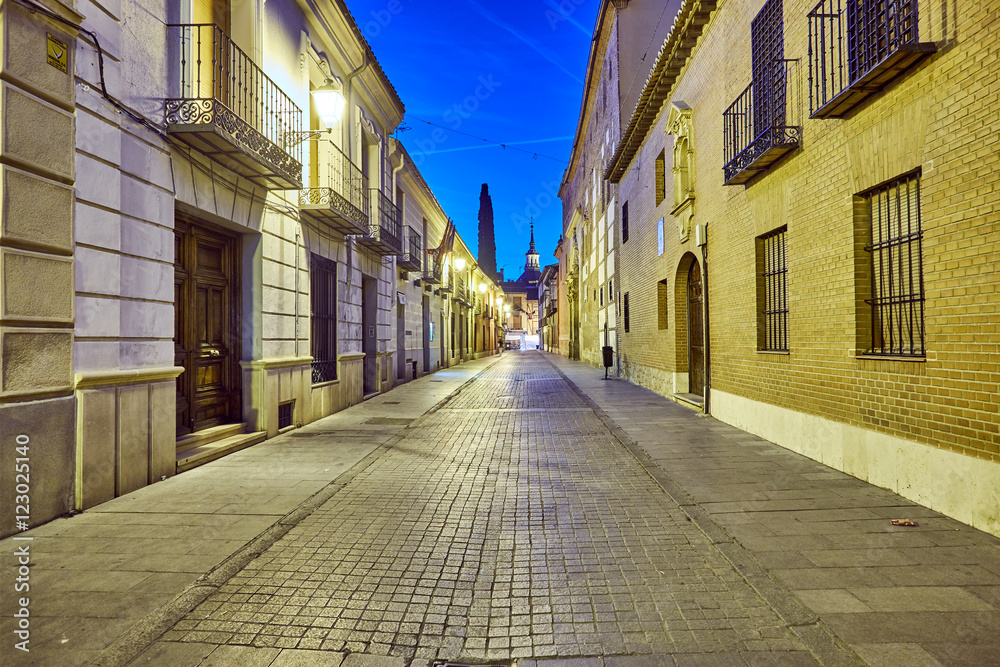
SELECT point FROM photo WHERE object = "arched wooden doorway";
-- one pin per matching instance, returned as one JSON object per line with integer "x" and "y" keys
{"x": 696, "y": 331}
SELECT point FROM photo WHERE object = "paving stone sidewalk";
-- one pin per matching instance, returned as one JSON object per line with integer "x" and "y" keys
{"x": 95, "y": 575}
{"x": 901, "y": 597}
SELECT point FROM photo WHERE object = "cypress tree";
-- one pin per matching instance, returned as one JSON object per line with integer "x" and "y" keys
{"x": 487, "y": 235}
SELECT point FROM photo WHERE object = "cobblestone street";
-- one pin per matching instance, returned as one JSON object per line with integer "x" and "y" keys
{"x": 510, "y": 523}
{"x": 513, "y": 511}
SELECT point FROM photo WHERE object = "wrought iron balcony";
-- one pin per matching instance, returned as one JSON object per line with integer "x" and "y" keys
{"x": 342, "y": 201}
{"x": 461, "y": 293}
{"x": 756, "y": 128}
{"x": 411, "y": 259}
{"x": 228, "y": 109}
{"x": 432, "y": 270}
{"x": 856, "y": 47}
{"x": 384, "y": 226}
{"x": 448, "y": 282}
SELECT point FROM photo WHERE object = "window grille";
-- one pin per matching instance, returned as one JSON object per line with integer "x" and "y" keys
{"x": 875, "y": 28}
{"x": 323, "y": 297}
{"x": 624, "y": 222}
{"x": 897, "y": 278}
{"x": 285, "y": 414}
{"x": 856, "y": 47}
{"x": 756, "y": 126}
{"x": 774, "y": 311}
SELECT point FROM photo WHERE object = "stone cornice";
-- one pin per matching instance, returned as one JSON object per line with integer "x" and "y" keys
{"x": 276, "y": 363}
{"x": 98, "y": 379}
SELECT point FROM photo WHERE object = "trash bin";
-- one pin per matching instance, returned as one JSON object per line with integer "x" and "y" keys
{"x": 609, "y": 356}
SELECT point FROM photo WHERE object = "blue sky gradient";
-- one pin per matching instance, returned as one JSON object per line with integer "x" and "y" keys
{"x": 511, "y": 72}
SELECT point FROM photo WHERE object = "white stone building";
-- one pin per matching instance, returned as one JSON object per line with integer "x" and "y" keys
{"x": 225, "y": 254}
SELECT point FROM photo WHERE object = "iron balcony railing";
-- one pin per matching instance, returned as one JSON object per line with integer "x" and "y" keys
{"x": 412, "y": 256}
{"x": 432, "y": 269}
{"x": 856, "y": 47}
{"x": 756, "y": 127}
{"x": 461, "y": 292}
{"x": 385, "y": 227}
{"x": 222, "y": 87}
{"x": 342, "y": 191}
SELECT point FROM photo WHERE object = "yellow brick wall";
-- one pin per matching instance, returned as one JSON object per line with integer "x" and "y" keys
{"x": 942, "y": 117}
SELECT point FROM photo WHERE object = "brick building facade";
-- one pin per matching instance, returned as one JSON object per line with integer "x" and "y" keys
{"x": 811, "y": 226}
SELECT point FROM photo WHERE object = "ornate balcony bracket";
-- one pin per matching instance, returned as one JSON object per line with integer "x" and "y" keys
{"x": 761, "y": 154}
{"x": 334, "y": 209}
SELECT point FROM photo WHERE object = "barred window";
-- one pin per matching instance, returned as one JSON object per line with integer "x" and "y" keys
{"x": 897, "y": 272}
{"x": 625, "y": 222}
{"x": 626, "y": 312}
{"x": 323, "y": 297}
{"x": 772, "y": 291}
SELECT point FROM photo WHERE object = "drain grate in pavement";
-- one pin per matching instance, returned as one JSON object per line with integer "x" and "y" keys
{"x": 439, "y": 663}
{"x": 388, "y": 421}
{"x": 390, "y": 402}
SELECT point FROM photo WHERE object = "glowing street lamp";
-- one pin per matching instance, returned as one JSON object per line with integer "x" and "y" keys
{"x": 482, "y": 288}
{"x": 460, "y": 263}
{"x": 330, "y": 102}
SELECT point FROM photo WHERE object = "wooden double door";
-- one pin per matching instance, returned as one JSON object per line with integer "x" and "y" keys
{"x": 206, "y": 325}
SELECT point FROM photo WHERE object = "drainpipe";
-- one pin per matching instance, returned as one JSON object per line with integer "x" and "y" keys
{"x": 708, "y": 331}
{"x": 298, "y": 238}
{"x": 347, "y": 95}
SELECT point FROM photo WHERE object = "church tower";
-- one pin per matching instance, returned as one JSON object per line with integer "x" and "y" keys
{"x": 532, "y": 269}
{"x": 531, "y": 257}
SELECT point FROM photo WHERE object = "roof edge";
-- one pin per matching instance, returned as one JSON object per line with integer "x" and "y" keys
{"x": 691, "y": 19}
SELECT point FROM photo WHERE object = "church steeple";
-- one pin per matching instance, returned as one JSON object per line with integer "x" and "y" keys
{"x": 531, "y": 257}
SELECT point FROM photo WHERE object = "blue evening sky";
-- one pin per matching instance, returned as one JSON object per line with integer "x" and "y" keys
{"x": 511, "y": 72}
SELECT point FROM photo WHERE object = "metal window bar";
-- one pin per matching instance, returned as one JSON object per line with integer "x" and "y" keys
{"x": 323, "y": 297}
{"x": 896, "y": 249}
{"x": 767, "y": 43}
{"x": 848, "y": 38}
{"x": 624, "y": 222}
{"x": 775, "y": 291}
{"x": 213, "y": 69}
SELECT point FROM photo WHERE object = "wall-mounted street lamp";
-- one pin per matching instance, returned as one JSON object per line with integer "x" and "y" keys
{"x": 330, "y": 102}
{"x": 482, "y": 288}
{"x": 330, "y": 105}
{"x": 460, "y": 264}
